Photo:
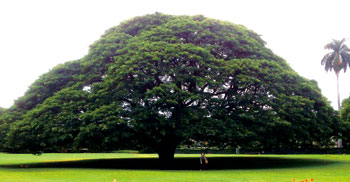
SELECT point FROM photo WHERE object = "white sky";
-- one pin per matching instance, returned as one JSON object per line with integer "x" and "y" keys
{"x": 36, "y": 35}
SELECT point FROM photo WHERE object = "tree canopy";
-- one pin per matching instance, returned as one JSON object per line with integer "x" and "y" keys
{"x": 158, "y": 81}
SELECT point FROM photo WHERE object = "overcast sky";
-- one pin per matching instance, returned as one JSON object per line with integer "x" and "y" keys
{"x": 36, "y": 35}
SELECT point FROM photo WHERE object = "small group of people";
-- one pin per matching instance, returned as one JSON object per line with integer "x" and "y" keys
{"x": 203, "y": 161}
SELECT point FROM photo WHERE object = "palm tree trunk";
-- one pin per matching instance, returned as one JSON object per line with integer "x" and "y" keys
{"x": 337, "y": 73}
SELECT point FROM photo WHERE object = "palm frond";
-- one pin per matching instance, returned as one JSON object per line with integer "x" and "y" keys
{"x": 339, "y": 58}
{"x": 329, "y": 46}
{"x": 327, "y": 61}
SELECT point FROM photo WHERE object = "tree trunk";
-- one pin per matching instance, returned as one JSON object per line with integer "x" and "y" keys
{"x": 166, "y": 155}
{"x": 337, "y": 74}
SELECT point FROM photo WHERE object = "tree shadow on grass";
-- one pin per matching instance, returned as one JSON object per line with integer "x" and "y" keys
{"x": 217, "y": 163}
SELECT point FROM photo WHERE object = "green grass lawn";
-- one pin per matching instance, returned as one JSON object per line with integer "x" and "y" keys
{"x": 127, "y": 167}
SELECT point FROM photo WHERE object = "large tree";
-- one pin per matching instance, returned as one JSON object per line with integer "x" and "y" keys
{"x": 338, "y": 59}
{"x": 158, "y": 81}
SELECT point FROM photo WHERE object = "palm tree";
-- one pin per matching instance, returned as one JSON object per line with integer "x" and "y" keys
{"x": 337, "y": 59}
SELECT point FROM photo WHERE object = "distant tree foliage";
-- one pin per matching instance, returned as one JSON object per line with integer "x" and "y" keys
{"x": 158, "y": 81}
{"x": 2, "y": 111}
{"x": 345, "y": 122}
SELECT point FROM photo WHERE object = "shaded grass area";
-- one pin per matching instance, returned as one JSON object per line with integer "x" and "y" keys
{"x": 180, "y": 163}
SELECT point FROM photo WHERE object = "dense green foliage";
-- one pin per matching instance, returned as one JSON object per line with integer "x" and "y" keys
{"x": 345, "y": 122}
{"x": 345, "y": 112}
{"x": 158, "y": 81}
{"x": 7, "y": 117}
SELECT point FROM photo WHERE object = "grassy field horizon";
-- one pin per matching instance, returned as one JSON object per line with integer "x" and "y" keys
{"x": 129, "y": 167}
